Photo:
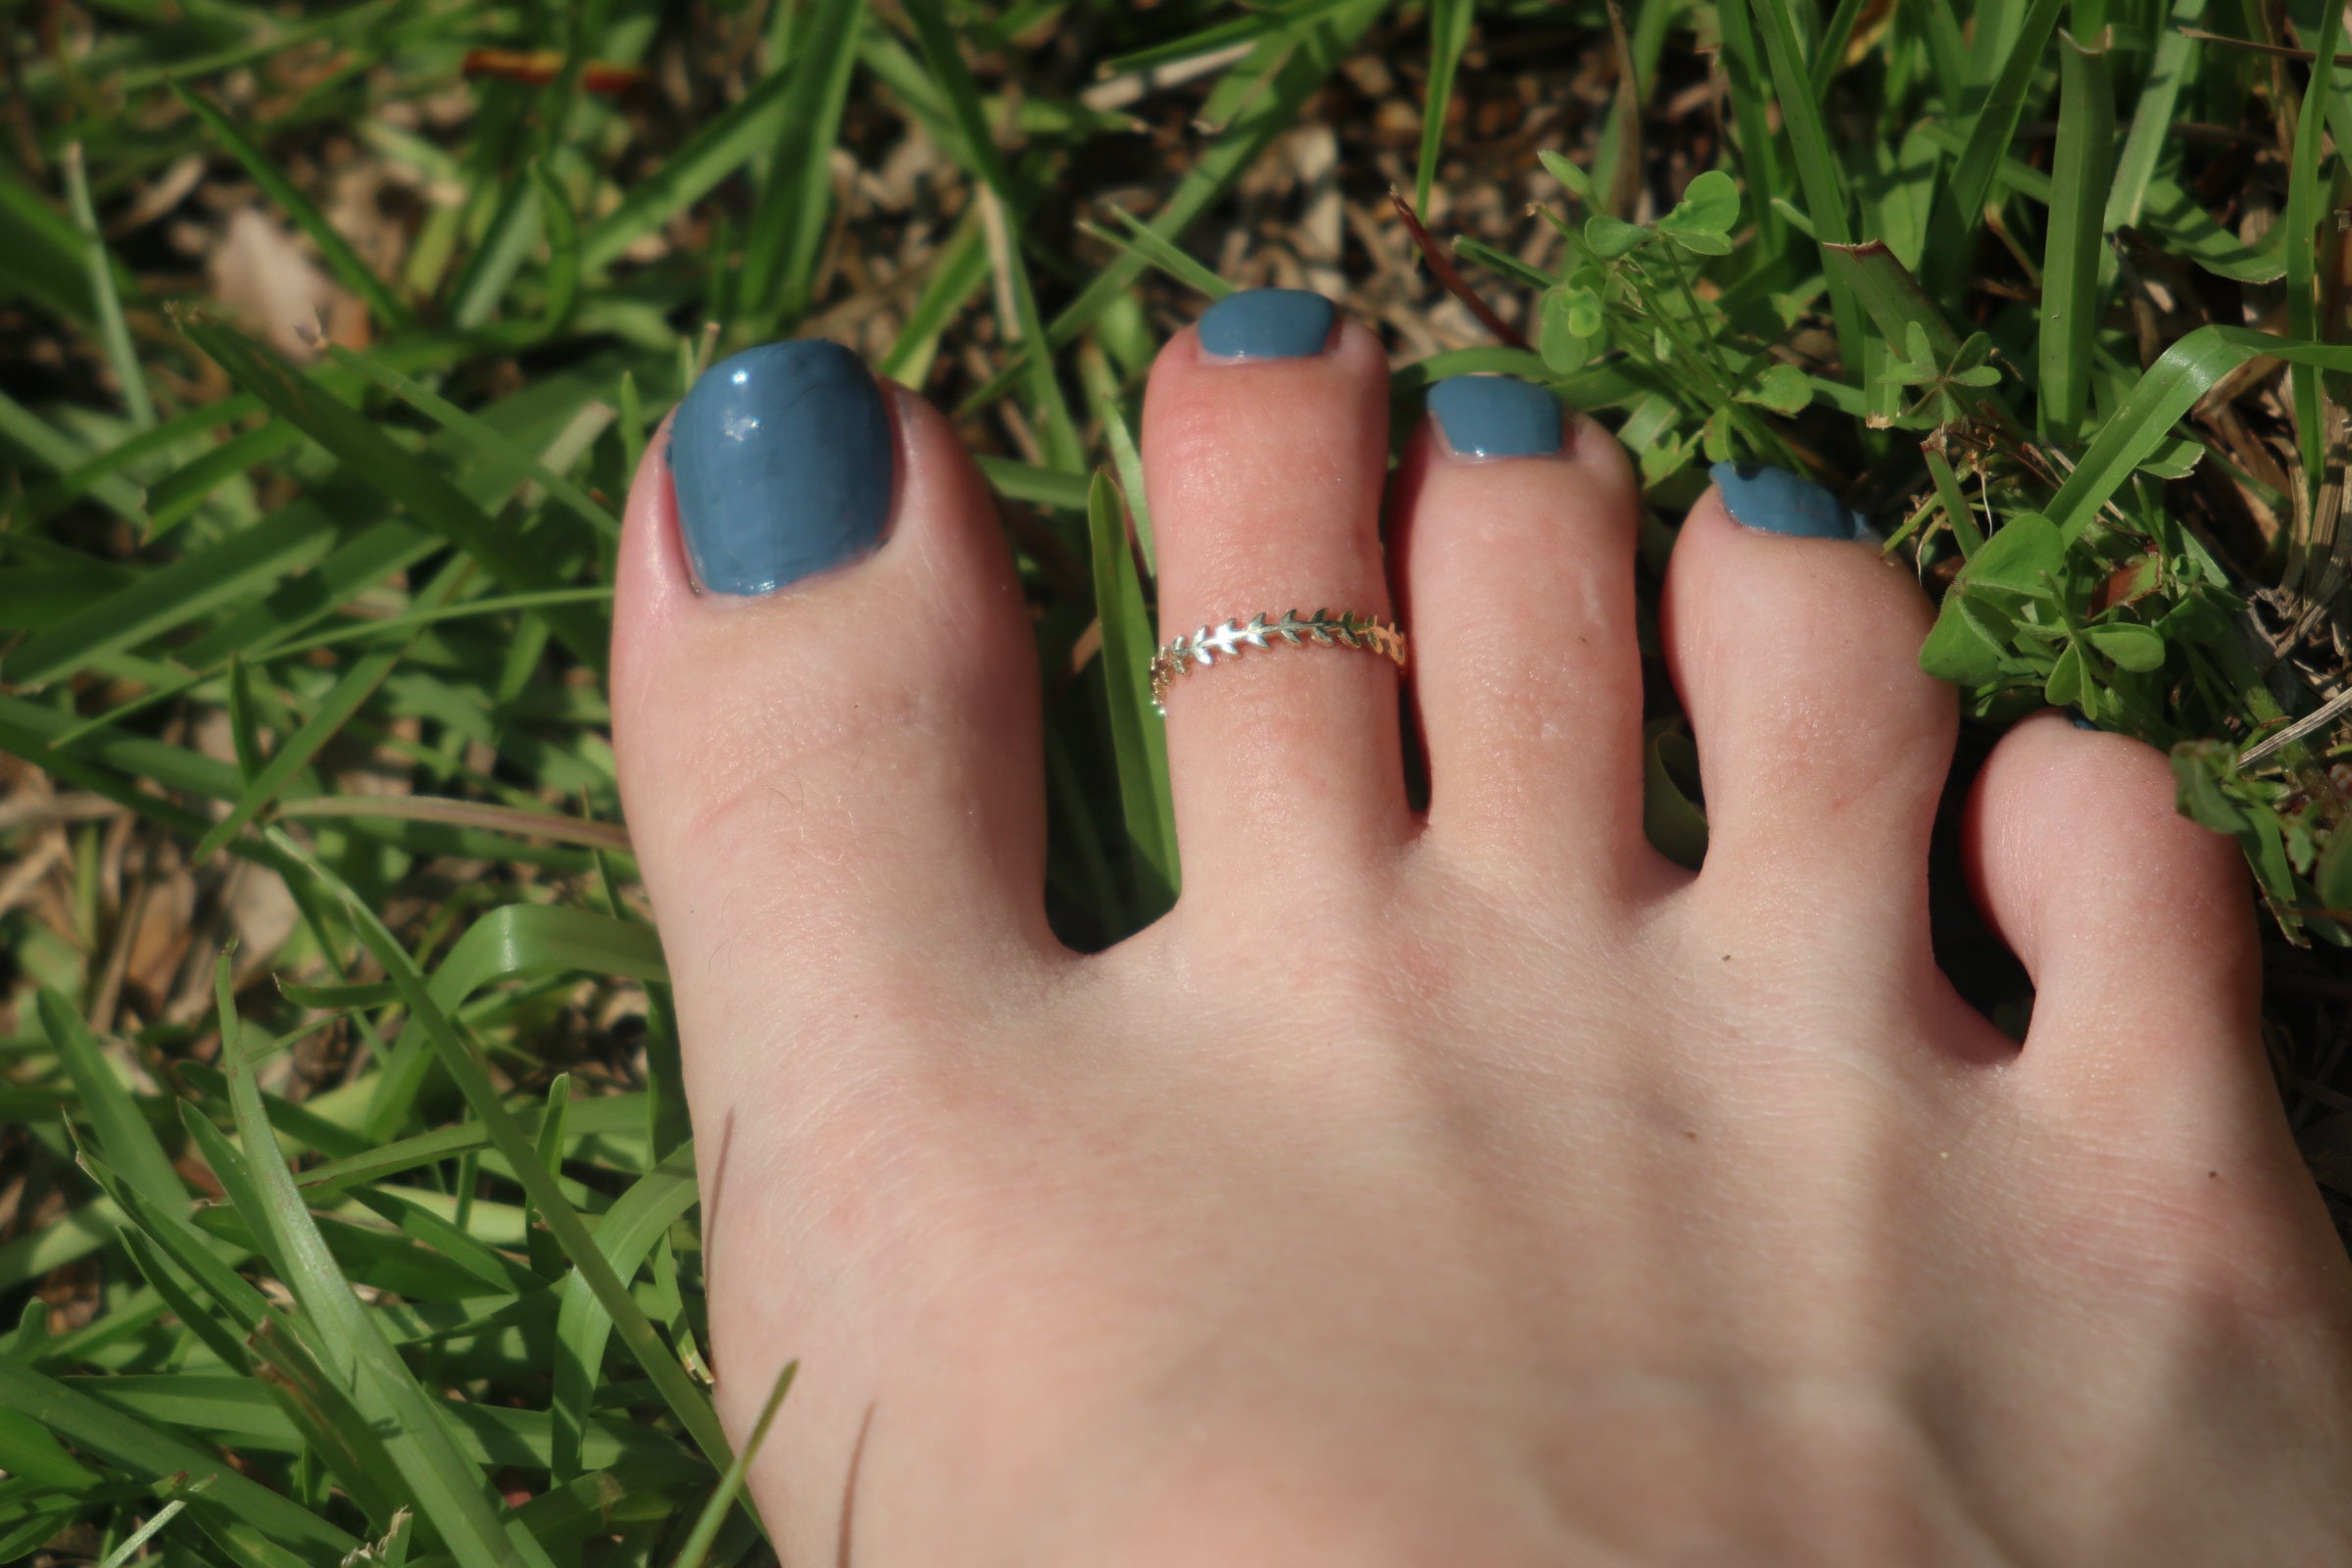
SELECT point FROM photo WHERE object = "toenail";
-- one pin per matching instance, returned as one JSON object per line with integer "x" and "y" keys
{"x": 782, "y": 459}
{"x": 1267, "y": 324}
{"x": 1775, "y": 501}
{"x": 1496, "y": 417}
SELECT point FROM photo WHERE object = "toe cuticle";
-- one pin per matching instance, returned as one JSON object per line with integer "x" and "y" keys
{"x": 1267, "y": 324}
{"x": 783, "y": 462}
{"x": 1772, "y": 499}
{"x": 1488, "y": 416}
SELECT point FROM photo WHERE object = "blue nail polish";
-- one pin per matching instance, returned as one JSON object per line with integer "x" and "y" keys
{"x": 2078, "y": 721}
{"x": 1775, "y": 501}
{"x": 782, "y": 457}
{"x": 1496, "y": 417}
{"x": 1267, "y": 324}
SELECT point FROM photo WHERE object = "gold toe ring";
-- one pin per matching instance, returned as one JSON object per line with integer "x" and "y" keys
{"x": 1322, "y": 629}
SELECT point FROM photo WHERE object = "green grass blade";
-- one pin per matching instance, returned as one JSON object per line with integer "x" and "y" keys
{"x": 1102, "y": 391}
{"x": 328, "y": 1425}
{"x": 180, "y": 494}
{"x": 2070, "y": 272}
{"x": 198, "y": 583}
{"x": 415, "y": 1220}
{"x": 517, "y": 940}
{"x": 31, "y": 726}
{"x": 548, "y": 1143}
{"x": 604, "y": 1114}
{"x": 1818, "y": 169}
{"x": 2152, "y": 115}
{"x": 2160, "y": 400}
{"x": 1139, "y": 738}
{"x": 203, "y": 1260}
{"x": 61, "y": 453}
{"x": 956, "y": 274}
{"x": 505, "y": 248}
{"x": 333, "y": 249}
{"x": 28, "y": 1453}
{"x": 788, "y": 225}
{"x": 1000, "y": 222}
{"x": 452, "y": 1495}
{"x": 193, "y": 1315}
{"x": 1219, "y": 35}
{"x": 2301, "y": 223}
{"x": 135, "y": 1544}
{"x": 371, "y": 553}
{"x": 1760, "y": 150}
{"x": 1277, "y": 78}
{"x": 1963, "y": 523}
{"x": 685, "y": 1401}
{"x": 1449, "y": 35}
{"x": 730, "y": 1485}
{"x": 129, "y": 1443}
{"x": 45, "y": 260}
{"x": 352, "y": 689}
{"x": 563, "y": 226}
{"x": 1948, "y": 52}
{"x": 709, "y": 156}
{"x": 484, "y": 437}
{"x": 626, "y": 1234}
{"x": 47, "y": 500}
{"x": 123, "y": 1134}
{"x": 1994, "y": 126}
{"x": 76, "y": 1235}
{"x": 1828, "y": 57}
{"x": 431, "y": 500}
{"x": 1144, "y": 243}
{"x": 113, "y": 333}
{"x": 1016, "y": 480}
{"x": 2177, "y": 222}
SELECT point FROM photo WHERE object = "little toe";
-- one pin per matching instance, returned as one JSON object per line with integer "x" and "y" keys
{"x": 1514, "y": 530}
{"x": 2171, "y": 1160}
{"x": 824, "y": 710}
{"x": 1822, "y": 744}
{"x": 2134, "y": 923}
{"x": 1265, "y": 450}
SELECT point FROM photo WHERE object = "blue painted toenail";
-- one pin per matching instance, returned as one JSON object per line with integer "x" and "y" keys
{"x": 1496, "y": 417}
{"x": 1267, "y": 324}
{"x": 782, "y": 457}
{"x": 2077, "y": 720}
{"x": 1775, "y": 501}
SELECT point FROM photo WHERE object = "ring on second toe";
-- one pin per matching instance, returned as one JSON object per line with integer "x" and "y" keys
{"x": 1179, "y": 655}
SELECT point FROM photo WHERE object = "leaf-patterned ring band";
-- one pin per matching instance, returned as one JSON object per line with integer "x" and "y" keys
{"x": 1181, "y": 656}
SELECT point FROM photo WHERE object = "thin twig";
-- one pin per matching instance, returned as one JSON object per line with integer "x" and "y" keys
{"x": 1451, "y": 275}
{"x": 2278, "y": 50}
{"x": 47, "y": 810}
{"x": 2318, "y": 718}
{"x": 466, "y": 813}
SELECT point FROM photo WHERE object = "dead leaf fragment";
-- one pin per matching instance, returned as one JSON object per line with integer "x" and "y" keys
{"x": 262, "y": 277}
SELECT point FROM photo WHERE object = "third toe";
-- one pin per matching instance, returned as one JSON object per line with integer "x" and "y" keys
{"x": 1514, "y": 527}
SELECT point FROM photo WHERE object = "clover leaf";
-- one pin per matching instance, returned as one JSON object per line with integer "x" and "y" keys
{"x": 1611, "y": 238}
{"x": 1702, "y": 221}
{"x": 1782, "y": 388}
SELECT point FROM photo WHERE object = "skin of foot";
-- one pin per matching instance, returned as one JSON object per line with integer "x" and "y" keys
{"x": 1467, "y": 1186}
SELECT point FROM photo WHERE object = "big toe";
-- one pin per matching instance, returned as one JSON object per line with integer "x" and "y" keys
{"x": 824, "y": 712}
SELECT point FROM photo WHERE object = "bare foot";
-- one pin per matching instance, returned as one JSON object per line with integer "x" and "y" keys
{"x": 1475, "y": 1188}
